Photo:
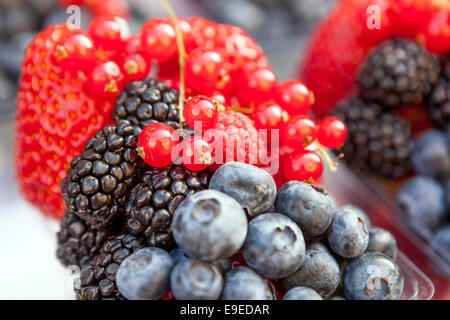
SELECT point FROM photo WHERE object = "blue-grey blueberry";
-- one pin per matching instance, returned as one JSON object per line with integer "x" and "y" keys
{"x": 145, "y": 274}
{"x": 302, "y": 293}
{"x": 243, "y": 283}
{"x": 274, "y": 246}
{"x": 348, "y": 235}
{"x": 310, "y": 207}
{"x": 196, "y": 280}
{"x": 209, "y": 225}
{"x": 251, "y": 186}
{"x": 381, "y": 240}
{"x": 372, "y": 276}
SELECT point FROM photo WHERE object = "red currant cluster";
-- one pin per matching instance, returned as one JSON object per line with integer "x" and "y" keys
{"x": 221, "y": 136}
{"x": 286, "y": 111}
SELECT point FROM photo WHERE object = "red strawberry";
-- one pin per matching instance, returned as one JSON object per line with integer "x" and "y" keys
{"x": 55, "y": 118}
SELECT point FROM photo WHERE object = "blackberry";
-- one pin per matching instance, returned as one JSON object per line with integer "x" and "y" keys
{"x": 399, "y": 71}
{"x": 78, "y": 243}
{"x": 379, "y": 143}
{"x": 149, "y": 101}
{"x": 97, "y": 280}
{"x": 439, "y": 100}
{"x": 152, "y": 202}
{"x": 99, "y": 180}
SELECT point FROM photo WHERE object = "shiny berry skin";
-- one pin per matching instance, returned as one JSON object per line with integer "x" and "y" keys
{"x": 294, "y": 97}
{"x": 134, "y": 67}
{"x": 298, "y": 132}
{"x": 269, "y": 115}
{"x": 205, "y": 70}
{"x": 75, "y": 53}
{"x": 156, "y": 143}
{"x": 200, "y": 111}
{"x": 106, "y": 79}
{"x": 109, "y": 33}
{"x": 256, "y": 86}
{"x": 112, "y": 8}
{"x": 158, "y": 38}
{"x": 56, "y": 116}
{"x": 332, "y": 132}
{"x": 196, "y": 154}
{"x": 303, "y": 165}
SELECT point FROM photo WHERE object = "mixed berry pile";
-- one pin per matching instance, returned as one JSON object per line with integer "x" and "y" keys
{"x": 238, "y": 239}
{"x": 161, "y": 179}
{"x": 74, "y": 83}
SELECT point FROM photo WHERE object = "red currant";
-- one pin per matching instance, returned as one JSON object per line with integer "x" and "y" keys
{"x": 158, "y": 38}
{"x": 133, "y": 45}
{"x": 256, "y": 86}
{"x": 156, "y": 143}
{"x": 332, "y": 132}
{"x": 196, "y": 154}
{"x": 109, "y": 33}
{"x": 200, "y": 110}
{"x": 205, "y": 70}
{"x": 298, "y": 132}
{"x": 106, "y": 79}
{"x": 134, "y": 67}
{"x": 269, "y": 115}
{"x": 75, "y": 53}
{"x": 295, "y": 97}
{"x": 303, "y": 165}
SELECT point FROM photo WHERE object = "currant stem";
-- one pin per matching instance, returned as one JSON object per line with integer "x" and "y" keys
{"x": 333, "y": 164}
{"x": 181, "y": 57}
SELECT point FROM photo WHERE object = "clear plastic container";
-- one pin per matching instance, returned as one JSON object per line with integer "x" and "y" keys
{"x": 349, "y": 189}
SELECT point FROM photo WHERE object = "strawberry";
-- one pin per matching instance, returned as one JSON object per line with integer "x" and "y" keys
{"x": 55, "y": 117}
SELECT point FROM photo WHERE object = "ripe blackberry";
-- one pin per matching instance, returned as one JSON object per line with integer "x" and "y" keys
{"x": 397, "y": 72}
{"x": 78, "y": 243}
{"x": 152, "y": 202}
{"x": 99, "y": 180}
{"x": 97, "y": 281}
{"x": 439, "y": 101}
{"x": 378, "y": 142}
{"x": 149, "y": 101}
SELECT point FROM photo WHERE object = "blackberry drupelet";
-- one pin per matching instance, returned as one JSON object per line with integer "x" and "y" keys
{"x": 78, "y": 243}
{"x": 439, "y": 100}
{"x": 152, "y": 202}
{"x": 378, "y": 142}
{"x": 99, "y": 180}
{"x": 149, "y": 101}
{"x": 397, "y": 72}
{"x": 97, "y": 281}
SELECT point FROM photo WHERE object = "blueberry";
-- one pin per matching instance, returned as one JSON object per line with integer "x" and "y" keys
{"x": 311, "y": 207}
{"x": 381, "y": 240}
{"x": 372, "y": 276}
{"x": 360, "y": 212}
{"x": 274, "y": 246}
{"x": 145, "y": 274}
{"x": 196, "y": 280}
{"x": 319, "y": 246}
{"x": 251, "y": 186}
{"x": 223, "y": 265}
{"x": 209, "y": 225}
{"x": 302, "y": 293}
{"x": 441, "y": 242}
{"x": 447, "y": 192}
{"x": 348, "y": 235}
{"x": 421, "y": 201}
{"x": 431, "y": 154}
{"x": 243, "y": 283}
{"x": 319, "y": 271}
